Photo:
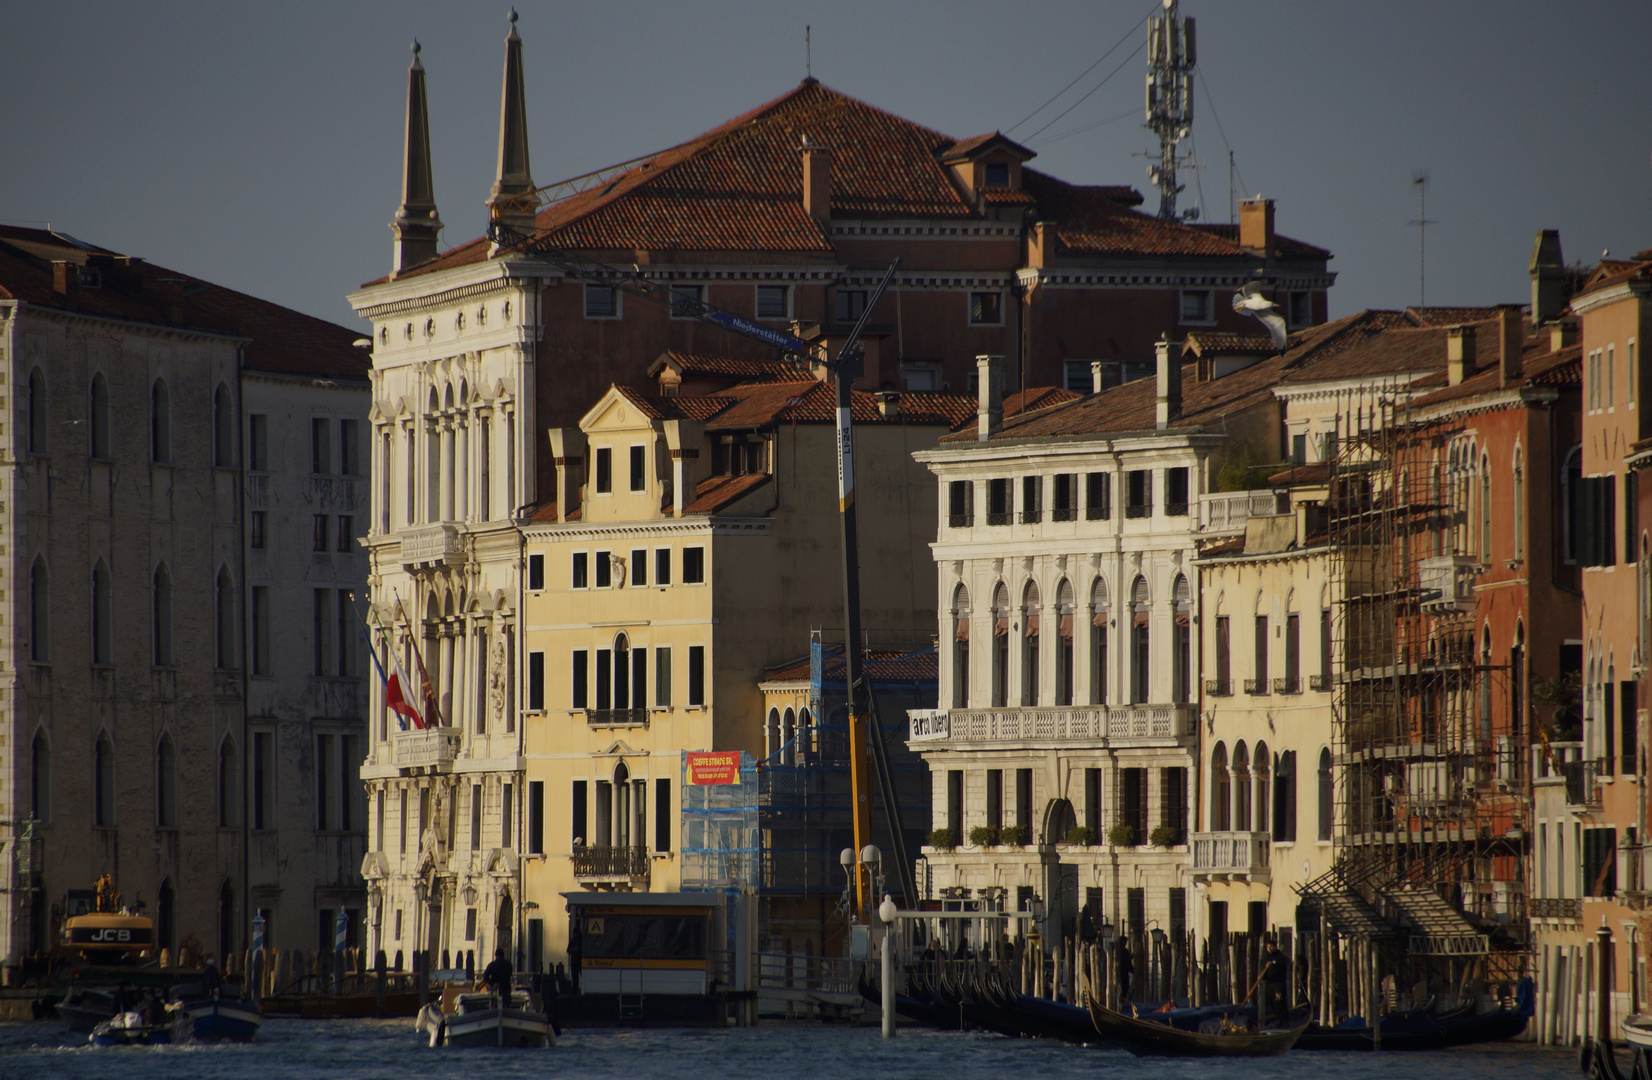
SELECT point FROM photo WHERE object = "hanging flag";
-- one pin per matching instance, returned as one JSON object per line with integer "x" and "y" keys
{"x": 395, "y": 697}
{"x": 427, "y": 692}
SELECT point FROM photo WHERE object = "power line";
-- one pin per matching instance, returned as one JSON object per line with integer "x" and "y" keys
{"x": 1233, "y": 166}
{"x": 1090, "y": 91}
{"x": 1125, "y": 115}
{"x": 1081, "y": 75}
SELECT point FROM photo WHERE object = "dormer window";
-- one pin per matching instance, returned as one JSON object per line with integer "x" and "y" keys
{"x": 997, "y": 174}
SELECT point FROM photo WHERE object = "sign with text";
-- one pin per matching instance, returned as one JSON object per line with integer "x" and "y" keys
{"x": 714, "y": 767}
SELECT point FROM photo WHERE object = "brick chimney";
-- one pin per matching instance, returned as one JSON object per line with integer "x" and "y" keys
{"x": 1256, "y": 225}
{"x": 989, "y": 411}
{"x": 1460, "y": 348}
{"x": 1169, "y": 399}
{"x": 1548, "y": 273}
{"x": 65, "y": 277}
{"x": 889, "y": 404}
{"x": 817, "y": 182}
{"x": 1511, "y": 341}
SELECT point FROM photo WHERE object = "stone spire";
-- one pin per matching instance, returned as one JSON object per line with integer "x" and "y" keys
{"x": 416, "y": 225}
{"x": 513, "y": 201}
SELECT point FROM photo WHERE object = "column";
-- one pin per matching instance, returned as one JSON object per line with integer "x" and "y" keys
{"x": 461, "y": 476}
{"x": 444, "y": 688}
{"x": 447, "y": 470}
{"x": 460, "y": 676}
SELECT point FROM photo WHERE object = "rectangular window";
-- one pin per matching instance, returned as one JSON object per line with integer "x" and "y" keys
{"x": 997, "y": 174}
{"x": 1078, "y": 376}
{"x": 1064, "y": 497}
{"x": 1261, "y": 655}
{"x": 687, "y": 301}
{"x": 536, "y": 817}
{"x": 1175, "y": 492}
{"x": 1293, "y": 652}
{"x": 639, "y": 461}
{"x": 536, "y": 682}
{"x": 1631, "y": 514}
{"x": 321, "y": 449}
{"x": 960, "y": 504}
{"x": 955, "y": 804}
{"x": 998, "y": 502}
{"x": 662, "y": 677}
{"x": 986, "y": 309}
{"x": 773, "y": 302}
{"x": 662, "y": 815}
{"x": 344, "y": 639}
{"x": 323, "y": 772}
{"x": 506, "y": 809}
{"x": 1133, "y": 803}
{"x": 602, "y": 302}
{"x": 1299, "y": 448}
{"x": 1224, "y": 656}
{"x": 260, "y": 529}
{"x": 1032, "y": 499}
{"x": 639, "y": 567}
{"x": 581, "y": 680}
{"x": 605, "y": 678}
{"x": 349, "y": 449}
{"x": 1173, "y": 802}
{"x": 318, "y": 533}
{"x": 258, "y": 435}
{"x": 1302, "y": 310}
{"x": 346, "y": 533}
{"x": 696, "y": 674}
{"x": 580, "y": 807}
{"x": 1138, "y": 493}
{"x": 580, "y": 576}
{"x": 1628, "y": 744}
{"x": 1324, "y": 649}
{"x": 1600, "y": 862}
{"x": 1196, "y": 307}
{"x": 536, "y": 572}
{"x": 261, "y": 630}
{"x": 605, "y": 570}
{"x": 1611, "y": 375}
{"x": 263, "y": 779}
{"x": 662, "y": 566}
{"x": 1098, "y": 496}
{"x": 401, "y": 833}
{"x": 1092, "y": 801}
{"x": 1024, "y": 800}
{"x": 605, "y": 470}
{"x": 475, "y": 817}
{"x": 320, "y": 630}
{"x": 1629, "y": 383}
{"x": 995, "y": 799}
{"x": 851, "y": 304}
{"x": 694, "y": 566}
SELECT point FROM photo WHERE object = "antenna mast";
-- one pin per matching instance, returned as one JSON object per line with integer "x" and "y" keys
{"x": 1170, "y": 59}
{"x": 1419, "y": 180}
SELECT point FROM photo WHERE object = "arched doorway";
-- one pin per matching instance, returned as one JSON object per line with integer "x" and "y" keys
{"x": 504, "y": 925}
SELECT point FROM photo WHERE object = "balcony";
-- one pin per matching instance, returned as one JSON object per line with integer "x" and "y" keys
{"x": 432, "y": 748}
{"x": 1319, "y": 684}
{"x": 1228, "y": 855}
{"x": 1098, "y": 513}
{"x": 1446, "y": 584}
{"x": 1256, "y": 687}
{"x": 999, "y": 517}
{"x": 433, "y": 544}
{"x": 1556, "y": 907}
{"x": 1064, "y": 513}
{"x": 1175, "y": 509}
{"x": 1583, "y": 782}
{"x": 960, "y": 521}
{"x": 1228, "y": 511}
{"x": 1218, "y": 687}
{"x": 1056, "y": 724}
{"x": 605, "y": 863}
{"x": 613, "y": 718}
{"x": 1138, "y": 510}
{"x": 1031, "y": 517}
{"x": 1287, "y": 685}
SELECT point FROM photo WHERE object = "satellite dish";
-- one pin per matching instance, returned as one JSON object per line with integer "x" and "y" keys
{"x": 1250, "y": 301}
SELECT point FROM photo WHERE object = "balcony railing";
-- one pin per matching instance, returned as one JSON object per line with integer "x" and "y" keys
{"x": 1064, "y": 513}
{"x": 999, "y": 517}
{"x": 1446, "y": 584}
{"x": 1175, "y": 509}
{"x": 1556, "y": 907}
{"x": 1319, "y": 684}
{"x": 1219, "y": 687}
{"x": 1256, "y": 687}
{"x": 1098, "y": 513}
{"x": 1031, "y": 517}
{"x": 432, "y": 544}
{"x": 1583, "y": 781}
{"x": 1231, "y": 854}
{"x": 1287, "y": 685}
{"x": 610, "y": 862}
{"x": 1229, "y": 510}
{"x": 1138, "y": 510}
{"x": 960, "y": 521}
{"x": 1076, "y": 723}
{"x": 601, "y": 718}
{"x": 433, "y": 747}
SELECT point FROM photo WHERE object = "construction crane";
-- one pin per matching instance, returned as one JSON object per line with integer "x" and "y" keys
{"x": 794, "y": 350}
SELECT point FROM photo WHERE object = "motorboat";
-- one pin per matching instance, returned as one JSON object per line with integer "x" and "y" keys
{"x": 220, "y": 1014}
{"x": 483, "y": 1019}
{"x": 131, "y": 1028}
{"x": 85, "y": 1007}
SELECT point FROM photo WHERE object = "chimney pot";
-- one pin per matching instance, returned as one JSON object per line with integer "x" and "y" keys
{"x": 65, "y": 277}
{"x": 1460, "y": 349}
{"x": 1097, "y": 376}
{"x": 817, "y": 182}
{"x": 1256, "y": 225}
{"x": 1548, "y": 274}
{"x": 889, "y": 403}
{"x": 1168, "y": 404}
{"x": 1561, "y": 335}
{"x": 989, "y": 412}
{"x": 1511, "y": 342}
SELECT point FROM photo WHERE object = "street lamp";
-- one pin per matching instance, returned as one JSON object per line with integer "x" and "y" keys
{"x": 887, "y": 912}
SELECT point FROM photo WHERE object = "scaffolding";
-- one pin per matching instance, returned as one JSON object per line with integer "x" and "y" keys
{"x": 1432, "y": 796}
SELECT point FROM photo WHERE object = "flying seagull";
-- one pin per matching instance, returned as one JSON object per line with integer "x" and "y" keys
{"x": 1250, "y": 301}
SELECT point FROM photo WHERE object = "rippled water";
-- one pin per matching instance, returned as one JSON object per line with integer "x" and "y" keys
{"x": 389, "y": 1049}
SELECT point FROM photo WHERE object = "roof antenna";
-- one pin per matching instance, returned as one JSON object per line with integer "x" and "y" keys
{"x": 1419, "y": 180}
{"x": 808, "y": 54}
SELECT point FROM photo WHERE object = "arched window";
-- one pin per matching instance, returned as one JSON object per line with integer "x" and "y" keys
{"x": 103, "y": 783}
{"x": 229, "y": 784}
{"x": 433, "y": 459}
{"x": 225, "y": 621}
{"x": 40, "y": 613}
{"x": 1140, "y": 644}
{"x": 771, "y": 736}
{"x": 1221, "y": 791}
{"x": 100, "y": 420}
{"x": 1241, "y": 788}
{"x": 622, "y": 672}
{"x": 40, "y": 411}
{"x": 163, "y": 617}
{"x": 1519, "y": 504}
{"x": 1262, "y": 775}
{"x": 1029, "y": 645}
{"x": 1098, "y": 642}
{"x": 160, "y": 423}
{"x": 1284, "y": 797}
{"x": 484, "y": 452}
{"x": 1484, "y": 681}
{"x": 223, "y": 429}
{"x": 1485, "y": 508}
{"x": 1000, "y": 646}
{"x": 960, "y": 647}
{"x": 788, "y": 738}
{"x": 1327, "y": 793}
{"x": 166, "y": 784}
{"x": 103, "y": 636}
{"x": 621, "y": 828}
{"x": 1064, "y": 643}
{"x": 1181, "y": 659}
{"x": 40, "y": 778}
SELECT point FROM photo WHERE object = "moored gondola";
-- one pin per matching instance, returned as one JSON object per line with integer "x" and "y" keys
{"x": 1147, "y": 1039}
{"x": 1427, "y": 1028}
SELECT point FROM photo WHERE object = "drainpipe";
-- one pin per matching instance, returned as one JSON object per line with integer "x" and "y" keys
{"x": 246, "y": 685}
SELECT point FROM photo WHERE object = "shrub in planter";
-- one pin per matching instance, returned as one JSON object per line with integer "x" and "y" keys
{"x": 1164, "y": 836}
{"x": 1122, "y": 836}
{"x": 1013, "y": 835}
{"x": 1081, "y": 834}
{"x": 983, "y": 836}
{"x": 942, "y": 838}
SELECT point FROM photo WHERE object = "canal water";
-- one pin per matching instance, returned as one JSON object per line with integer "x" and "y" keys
{"x": 390, "y": 1050}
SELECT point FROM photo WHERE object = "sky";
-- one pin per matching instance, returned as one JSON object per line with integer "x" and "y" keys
{"x": 258, "y": 146}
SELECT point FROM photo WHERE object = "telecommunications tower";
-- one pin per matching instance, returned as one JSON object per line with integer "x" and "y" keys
{"x": 1170, "y": 59}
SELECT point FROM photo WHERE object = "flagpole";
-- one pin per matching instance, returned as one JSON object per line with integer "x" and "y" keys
{"x": 427, "y": 692}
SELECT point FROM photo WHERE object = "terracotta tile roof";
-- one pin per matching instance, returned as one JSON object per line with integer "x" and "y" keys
{"x": 1616, "y": 271}
{"x": 1202, "y": 342}
{"x": 1539, "y": 367}
{"x": 712, "y": 494}
{"x": 880, "y": 665}
{"x": 280, "y": 340}
{"x": 1450, "y": 316}
{"x": 963, "y": 148}
{"x": 923, "y": 406}
{"x": 1003, "y": 196}
{"x": 1378, "y": 342}
{"x": 736, "y": 370}
{"x": 1317, "y": 473}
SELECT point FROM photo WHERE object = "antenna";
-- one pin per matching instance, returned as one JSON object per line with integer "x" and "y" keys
{"x": 1170, "y": 59}
{"x": 1419, "y": 180}
{"x": 808, "y": 53}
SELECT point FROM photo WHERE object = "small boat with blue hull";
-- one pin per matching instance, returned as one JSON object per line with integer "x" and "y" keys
{"x": 134, "y": 1029}
{"x": 218, "y": 1015}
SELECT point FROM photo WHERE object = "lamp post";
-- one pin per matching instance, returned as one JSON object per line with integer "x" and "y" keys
{"x": 888, "y": 913}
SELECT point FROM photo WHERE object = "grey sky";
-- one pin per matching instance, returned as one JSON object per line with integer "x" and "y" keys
{"x": 257, "y": 146}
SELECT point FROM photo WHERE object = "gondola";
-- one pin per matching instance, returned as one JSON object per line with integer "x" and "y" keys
{"x": 1058, "y": 1020}
{"x": 917, "y": 1009}
{"x": 1427, "y": 1029}
{"x": 1147, "y": 1039}
{"x": 221, "y": 1014}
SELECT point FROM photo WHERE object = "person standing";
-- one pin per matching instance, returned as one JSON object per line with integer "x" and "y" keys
{"x": 1273, "y": 988}
{"x": 497, "y": 976}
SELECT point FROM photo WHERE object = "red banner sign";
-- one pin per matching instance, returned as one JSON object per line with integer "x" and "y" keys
{"x": 714, "y": 767}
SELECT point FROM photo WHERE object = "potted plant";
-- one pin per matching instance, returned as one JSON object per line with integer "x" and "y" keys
{"x": 1122, "y": 835}
{"x": 1013, "y": 835}
{"x": 1164, "y": 836}
{"x": 1081, "y": 836}
{"x": 983, "y": 836}
{"x": 943, "y": 839}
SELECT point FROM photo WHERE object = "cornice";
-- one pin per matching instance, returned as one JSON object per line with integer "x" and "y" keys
{"x": 445, "y": 287}
{"x": 1127, "y": 276}
{"x": 707, "y": 526}
{"x": 152, "y": 329}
